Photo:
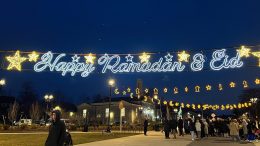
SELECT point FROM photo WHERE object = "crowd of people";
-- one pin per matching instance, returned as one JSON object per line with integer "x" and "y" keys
{"x": 238, "y": 129}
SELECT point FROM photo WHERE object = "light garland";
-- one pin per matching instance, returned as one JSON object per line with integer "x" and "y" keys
{"x": 257, "y": 54}
{"x": 208, "y": 88}
{"x": 15, "y": 61}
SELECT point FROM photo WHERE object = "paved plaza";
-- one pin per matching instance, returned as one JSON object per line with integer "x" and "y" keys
{"x": 157, "y": 139}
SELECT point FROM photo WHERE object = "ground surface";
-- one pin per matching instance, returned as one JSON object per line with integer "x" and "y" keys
{"x": 38, "y": 139}
{"x": 157, "y": 139}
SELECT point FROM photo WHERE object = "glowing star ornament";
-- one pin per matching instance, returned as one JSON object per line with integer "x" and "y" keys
{"x": 257, "y": 54}
{"x": 90, "y": 58}
{"x": 144, "y": 58}
{"x": 208, "y": 87}
{"x": 33, "y": 57}
{"x": 168, "y": 57}
{"x": 232, "y": 84}
{"x": 146, "y": 90}
{"x": 128, "y": 89}
{"x": 15, "y": 61}
{"x": 75, "y": 58}
{"x": 124, "y": 92}
{"x": 129, "y": 58}
{"x": 183, "y": 56}
{"x": 244, "y": 52}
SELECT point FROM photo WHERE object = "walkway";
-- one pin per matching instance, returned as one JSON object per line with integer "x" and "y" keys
{"x": 157, "y": 139}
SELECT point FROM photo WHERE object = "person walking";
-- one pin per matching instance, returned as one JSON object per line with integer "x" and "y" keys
{"x": 57, "y": 130}
{"x": 206, "y": 128}
{"x": 145, "y": 126}
{"x": 234, "y": 130}
{"x": 180, "y": 127}
{"x": 166, "y": 128}
{"x": 192, "y": 129}
{"x": 198, "y": 128}
{"x": 245, "y": 130}
{"x": 173, "y": 125}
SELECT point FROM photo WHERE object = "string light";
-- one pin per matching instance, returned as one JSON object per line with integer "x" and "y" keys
{"x": 183, "y": 56}
{"x": 197, "y": 88}
{"x": 208, "y": 87}
{"x": 186, "y": 89}
{"x": 245, "y": 84}
{"x": 116, "y": 91}
{"x": 257, "y": 81}
{"x": 175, "y": 90}
{"x": 146, "y": 90}
{"x": 165, "y": 90}
{"x": 232, "y": 84}
{"x": 257, "y": 54}
{"x": 90, "y": 58}
{"x": 15, "y": 61}
{"x": 33, "y": 57}
{"x": 144, "y": 58}
{"x": 244, "y": 52}
{"x": 220, "y": 87}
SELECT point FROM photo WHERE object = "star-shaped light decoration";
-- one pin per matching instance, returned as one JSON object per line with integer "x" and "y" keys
{"x": 183, "y": 56}
{"x": 168, "y": 57}
{"x": 208, "y": 87}
{"x": 257, "y": 54}
{"x": 257, "y": 81}
{"x": 232, "y": 84}
{"x": 124, "y": 92}
{"x": 244, "y": 52}
{"x": 165, "y": 102}
{"x": 75, "y": 58}
{"x": 90, "y": 58}
{"x": 15, "y": 61}
{"x": 129, "y": 58}
{"x": 144, "y": 58}
{"x": 33, "y": 57}
{"x": 146, "y": 90}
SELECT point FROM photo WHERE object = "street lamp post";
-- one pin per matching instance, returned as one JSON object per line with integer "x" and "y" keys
{"x": 2, "y": 83}
{"x": 48, "y": 99}
{"x": 111, "y": 83}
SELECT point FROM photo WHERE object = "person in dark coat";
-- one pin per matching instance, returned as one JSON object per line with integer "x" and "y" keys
{"x": 173, "y": 126}
{"x": 180, "y": 126}
{"x": 57, "y": 131}
{"x": 166, "y": 129}
{"x": 145, "y": 126}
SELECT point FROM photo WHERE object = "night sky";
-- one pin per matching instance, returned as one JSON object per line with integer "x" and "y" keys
{"x": 102, "y": 26}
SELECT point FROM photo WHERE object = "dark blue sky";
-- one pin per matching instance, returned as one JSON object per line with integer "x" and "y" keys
{"x": 134, "y": 26}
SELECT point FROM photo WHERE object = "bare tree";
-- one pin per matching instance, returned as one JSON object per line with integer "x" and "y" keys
{"x": 13, "y": 111}
{"x": 35, "y": 112}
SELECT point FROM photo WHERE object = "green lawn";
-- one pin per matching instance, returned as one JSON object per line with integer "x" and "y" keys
{"x": 39, "y": 139}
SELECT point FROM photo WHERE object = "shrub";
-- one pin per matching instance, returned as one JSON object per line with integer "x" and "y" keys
{"x": 6, "y": 127}
{"x": 34, "y": 126}
{"x": 23, "y": 127}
